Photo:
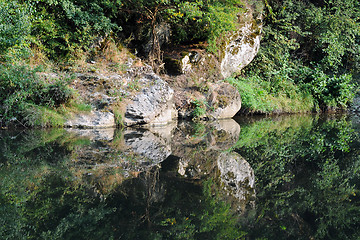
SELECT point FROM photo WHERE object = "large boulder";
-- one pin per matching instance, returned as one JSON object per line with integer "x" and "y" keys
{"x": 212, "y": 101}
{"x": 153, "y": 105}
{"x": 94, "y": 119}
{"x": 225, "y": 101}
{"x": 241, "y": 46}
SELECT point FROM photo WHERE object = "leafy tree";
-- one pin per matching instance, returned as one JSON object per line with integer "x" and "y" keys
{"x": 205, "y": 20}
{"x": 150, "y": 12}
{"x": 68, "y": 27}
{"x": 15, "y": 23}
{"x": 189, "y": 20}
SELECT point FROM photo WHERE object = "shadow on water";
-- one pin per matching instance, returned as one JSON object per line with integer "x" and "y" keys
{"x": 290, "y": 177}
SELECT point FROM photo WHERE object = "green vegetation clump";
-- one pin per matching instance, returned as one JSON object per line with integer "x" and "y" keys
{"x": 66, "y": 29}
{"x": 14, "y": 24}
{"x": 257, "y": 99}
{"x": 30, "y": 101}
{"x": 199, "y": 109}
{"x": 204, "y": 20}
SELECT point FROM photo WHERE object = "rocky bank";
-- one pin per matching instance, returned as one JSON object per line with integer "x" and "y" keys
{"x": 191, "y": 85}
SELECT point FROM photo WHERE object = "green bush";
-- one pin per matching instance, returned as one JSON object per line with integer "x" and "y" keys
{"x": 28, "y": 100}
{"x": 330, "y": 91}
{"x": 257, "y": 98}
{"x": 204, "y": 20}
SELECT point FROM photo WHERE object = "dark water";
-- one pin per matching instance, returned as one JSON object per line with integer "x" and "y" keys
{"x": 291, "y": 177}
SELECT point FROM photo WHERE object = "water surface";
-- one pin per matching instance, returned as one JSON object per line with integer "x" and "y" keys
{"x": 291, "y": 177}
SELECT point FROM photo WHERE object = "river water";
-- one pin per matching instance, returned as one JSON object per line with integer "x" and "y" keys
{"x": 287, "y": 177}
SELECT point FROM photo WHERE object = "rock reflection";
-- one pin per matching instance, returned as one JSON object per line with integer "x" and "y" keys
{"x": 107, "y": 159}
{"x": 105, "y": 134}
{"x": 148, "y": 144}
{"x": 237, "y": 179}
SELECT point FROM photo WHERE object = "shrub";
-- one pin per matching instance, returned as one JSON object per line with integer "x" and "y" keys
{"x": 330, "y": 91}
{"x": 28, "y": 99}
{"x": 257, "y": 98}
{"x": 66, "y": 28}
{"x": 204, "y": 21}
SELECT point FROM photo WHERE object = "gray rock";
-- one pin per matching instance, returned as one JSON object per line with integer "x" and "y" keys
{"x": 241, "y": 47}
{"x": 94, "y": 119}
{"x": 225, "y": 101}
{"x": 153, "y": 105}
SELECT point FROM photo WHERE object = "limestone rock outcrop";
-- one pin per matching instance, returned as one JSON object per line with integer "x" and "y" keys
{"x": 225, "y": 101}
{"x": 241, "y": 46}
{"x": 94, "y": 119}
{"x": 153, "y": 105}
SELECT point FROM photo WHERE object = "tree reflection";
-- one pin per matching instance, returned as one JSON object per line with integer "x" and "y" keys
{"x": 307, "y": 178}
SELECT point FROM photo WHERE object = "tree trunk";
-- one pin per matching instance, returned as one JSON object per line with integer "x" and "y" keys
{"x": 155, "y": 56}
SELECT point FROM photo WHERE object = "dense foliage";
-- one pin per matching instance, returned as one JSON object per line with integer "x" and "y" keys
{"x": 30, "y": 100}
{"x": 67, "y": 28}
{"x": 14, "y": 24}
{"x": 307, "y": 48}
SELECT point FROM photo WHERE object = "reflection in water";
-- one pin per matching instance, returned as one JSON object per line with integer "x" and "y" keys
{"x": 307, "y": 177}
{"x": 184, "y": 181}
{"x": 128, "y": 180}
{"x": 237, "y": 179}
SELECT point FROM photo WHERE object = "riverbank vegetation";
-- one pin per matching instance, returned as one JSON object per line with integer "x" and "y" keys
{"x": 308, "y": 58}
